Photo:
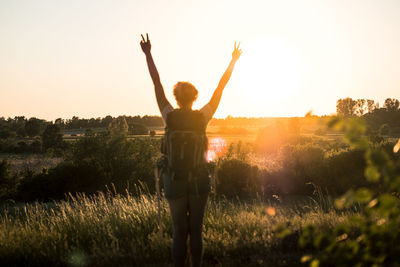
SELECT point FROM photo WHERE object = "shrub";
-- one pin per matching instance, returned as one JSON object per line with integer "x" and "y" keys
{"x": 8, "y": 182}
{"x": 52, "y": 137}
{"x": 237, "y": 178}
{"x": 6, "y": 132}
{"x": 56, "y": 182}
{"x": 94, "y": 162}
{"x": 138, "y": 129}
{"x": 302, "y": 163}
{"x": 35, "y": 146}
{"x": 21, "y": 147}
{"x": 384, "y": 129}
{"x": 344, "y": 170}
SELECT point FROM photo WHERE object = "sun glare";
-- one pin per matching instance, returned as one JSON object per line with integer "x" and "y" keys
{"x": 270, "y": 69}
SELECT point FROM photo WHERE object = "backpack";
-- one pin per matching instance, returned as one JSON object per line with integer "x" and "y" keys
{"x": 185, "y": 142}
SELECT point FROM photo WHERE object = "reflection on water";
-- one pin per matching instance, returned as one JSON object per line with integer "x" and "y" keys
{"x": 216, "y": 147}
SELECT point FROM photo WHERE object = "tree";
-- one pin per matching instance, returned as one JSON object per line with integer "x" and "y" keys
{"x": 60, "y": 122}
{"x": 5, "y": 132}
{"x": 106, "y": 121}
{"x": 74, "y": 123}
{"x": 360, "y": 107}
{"x": 371, "y": 105}
{"x": 32, "y": 127}
{"x": 346, "y": 107}
{"x": 119, "y": 126}
{"x": 21, "y": 131}
{"x": 391, "y": 104}
{"x": 51, "y": 137}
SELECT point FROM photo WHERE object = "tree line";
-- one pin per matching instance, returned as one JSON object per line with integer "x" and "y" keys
{"x": 383, "y": 120}
{"x": 46, "y": 136}
{"x": 376, "y": 117}
{"x": 348, "y": 107}
{"x": 20, "y": 126}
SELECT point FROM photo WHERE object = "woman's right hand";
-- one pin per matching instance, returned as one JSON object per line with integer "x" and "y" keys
{"x": 236, "y": 52}
{"x": 145, "y": 44}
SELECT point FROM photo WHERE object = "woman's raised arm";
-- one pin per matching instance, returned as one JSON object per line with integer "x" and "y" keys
{"x": 216, "y": 97}
{"x": 159, "y": 90}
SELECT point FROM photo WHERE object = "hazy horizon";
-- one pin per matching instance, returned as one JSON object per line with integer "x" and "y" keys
{"x": 159, "y": 115}
{"x": 64, "y": 59}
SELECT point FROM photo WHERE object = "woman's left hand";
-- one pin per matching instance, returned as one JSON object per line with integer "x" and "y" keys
{"x": 236, "y": 52}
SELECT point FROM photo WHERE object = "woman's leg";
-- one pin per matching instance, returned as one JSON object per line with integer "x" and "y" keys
{"x": 179, "y": 209}
{"x": 197, "y": 206}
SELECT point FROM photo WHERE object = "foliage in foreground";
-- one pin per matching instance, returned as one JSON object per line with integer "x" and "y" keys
{"x": 372, "y": 237}
{"x": 120, "y": 230}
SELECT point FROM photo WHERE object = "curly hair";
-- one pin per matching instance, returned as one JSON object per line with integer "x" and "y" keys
{"x": 185, "y": 93}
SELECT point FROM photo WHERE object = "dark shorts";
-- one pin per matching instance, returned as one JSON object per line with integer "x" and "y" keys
{"x": 181, "y": 186}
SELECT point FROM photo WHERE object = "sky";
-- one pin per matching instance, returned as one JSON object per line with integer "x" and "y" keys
{"x": 60, "y": 59}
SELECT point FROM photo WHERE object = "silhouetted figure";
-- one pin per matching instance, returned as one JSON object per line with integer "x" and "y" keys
{"x": 186, "y": 181}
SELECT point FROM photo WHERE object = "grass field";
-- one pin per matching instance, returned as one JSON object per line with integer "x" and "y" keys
{"x": 30, "y": 162}
{"x": 123, "y": 231}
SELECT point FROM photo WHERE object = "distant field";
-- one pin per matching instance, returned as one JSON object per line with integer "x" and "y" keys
{"x": 31, "y": 162}
{"x": 212, "y": 131}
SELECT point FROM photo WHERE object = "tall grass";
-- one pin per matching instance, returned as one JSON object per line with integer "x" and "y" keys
{"x": 122, "y": 230}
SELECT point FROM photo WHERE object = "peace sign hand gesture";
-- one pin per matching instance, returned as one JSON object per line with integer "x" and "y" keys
{"x": 236, "y": 52}
{"x": 145, "y": 44}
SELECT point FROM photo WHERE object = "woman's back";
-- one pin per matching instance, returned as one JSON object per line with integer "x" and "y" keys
{"x": 186, "y": 120}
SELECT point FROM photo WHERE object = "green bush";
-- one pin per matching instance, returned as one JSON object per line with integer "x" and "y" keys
{"x": 52, "y": 138}
{"x": 94, "y": 162}
{"x": 384, "y": 129}
{"x": 8, "y": 182}
{"x": 332, "y": 166}
{"x": 334, "y": 171}
{"x": 138, "y": 129}
{"x": 6, "y": 132}
{"x": 237, "y": 178}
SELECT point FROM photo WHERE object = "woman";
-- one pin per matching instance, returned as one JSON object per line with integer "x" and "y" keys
{"x": 186, "y": 204}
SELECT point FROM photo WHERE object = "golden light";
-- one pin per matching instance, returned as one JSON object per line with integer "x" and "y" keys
{"x": 271, "y": 211}
{"x": 270, "y": 69}
{"x": 396, "y": 148}
{"x": 216, "y": 147}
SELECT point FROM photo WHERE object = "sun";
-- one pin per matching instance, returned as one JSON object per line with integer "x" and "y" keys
{"x": 269, "y": 69}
